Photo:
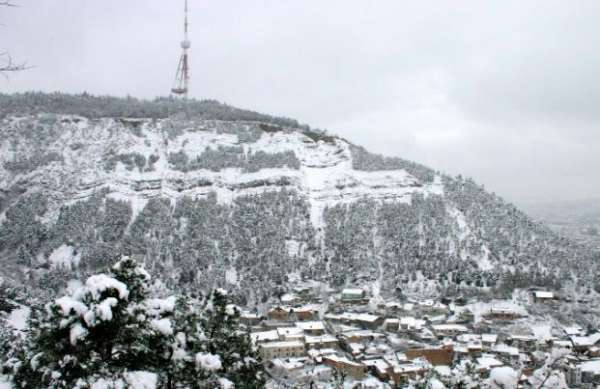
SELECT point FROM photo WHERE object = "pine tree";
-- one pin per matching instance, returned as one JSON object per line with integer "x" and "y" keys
{"x": 110, "y": 329}
{"x": 100, "y": 329}
{"x": 208, "y": 348}
{"x": 184, "y": 363}
{"x": 241, "y": 363}
{"x": 7, "y": 297}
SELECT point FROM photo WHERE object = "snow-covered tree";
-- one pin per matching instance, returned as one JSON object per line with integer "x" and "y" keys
{"x": 209, "y": 347}
{"x": 111, "y": 331}
{"x": 240, "y": 362}
{"x": 98, "y": 329}
{"x": 7, "y": 297}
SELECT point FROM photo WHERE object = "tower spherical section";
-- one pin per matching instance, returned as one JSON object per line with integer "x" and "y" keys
{"x": 186, "y": 44}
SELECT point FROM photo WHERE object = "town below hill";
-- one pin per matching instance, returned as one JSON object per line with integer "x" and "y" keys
{"x": 356, "y": 342}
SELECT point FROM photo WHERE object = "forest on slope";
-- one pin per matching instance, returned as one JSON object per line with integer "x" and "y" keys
{"x": 461, "y": 240}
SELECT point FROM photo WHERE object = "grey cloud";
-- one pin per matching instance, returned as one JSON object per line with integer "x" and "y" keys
{"x": 505, "y": 91}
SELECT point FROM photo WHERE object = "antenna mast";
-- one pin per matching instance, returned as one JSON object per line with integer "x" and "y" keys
{"x": 182, "y": 77}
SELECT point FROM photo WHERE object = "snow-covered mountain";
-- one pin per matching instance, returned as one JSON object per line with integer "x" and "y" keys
{"x": 249, "y": 202}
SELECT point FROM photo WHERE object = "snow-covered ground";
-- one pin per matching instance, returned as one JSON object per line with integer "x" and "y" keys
{"x": 18, "y": 318}
{"x": 64, "y": 257}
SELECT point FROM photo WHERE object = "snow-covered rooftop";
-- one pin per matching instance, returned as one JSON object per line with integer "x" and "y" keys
{"x": 542, "y": 294}
{"x": 283, "y": 344}
{"x": 311, "y": 325}
{"x": 264, "y": 336}
{"x": 591, "y": 366}
{"x": 488, "y": 362}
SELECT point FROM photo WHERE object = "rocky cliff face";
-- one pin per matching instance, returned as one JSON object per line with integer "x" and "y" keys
{"x": 254, "y": 206}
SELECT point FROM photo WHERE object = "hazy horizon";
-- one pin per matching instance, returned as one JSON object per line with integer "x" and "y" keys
{"x": 505, "y": 93}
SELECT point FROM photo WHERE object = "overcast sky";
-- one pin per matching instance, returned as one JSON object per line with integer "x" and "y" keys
{"x": 507, "y": 92}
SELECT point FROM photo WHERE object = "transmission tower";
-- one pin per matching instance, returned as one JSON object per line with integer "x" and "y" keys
{"x": 182, "y": 77}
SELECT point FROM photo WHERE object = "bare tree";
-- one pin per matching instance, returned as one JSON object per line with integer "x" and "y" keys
{"x": 6, "y": 62}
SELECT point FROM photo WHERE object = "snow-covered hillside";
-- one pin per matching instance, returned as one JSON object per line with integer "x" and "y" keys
{"x": 253, "y": 205}
{"x": 324, "y": 174}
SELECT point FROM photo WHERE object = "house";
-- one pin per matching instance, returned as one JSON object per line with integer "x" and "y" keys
{"x": 354, "y": 369}
{"x": 594, "y": 352}
{"x": 475, "y": 348}
{"x": 353, "y": 295}
{"x": 378, "y": 367}
{"x": 573, "y": 376}
{"x": 315, "y": 328}
{"x": 583, "y": 343}
{"x": 391, "y": 325}
{"x": 461, "y": 351}
{"x": 425, "y": 335}
{"x": 279, "y": 313}
{"x": 287, "y": 313}
{"x": 304, "y": 313}
{"x": 321, "y": 341}
{"x": 318, "y": 354}
{"x": 523, "y": 342}
{"x": 450, "y": 330}
{"x": 435, "y": 356}
{"x": 303, "y": 291}
{"x": 290, "y": 333}
{"x": 502, "y": 314}
{"x": 507, "y": 354}
{"x": 264, "y": 337}
{"x": 392, "y": 307}
{"x": 250, "y": 319}
{"x": 590, "y": 371}
{"x": 364, "y": 336}
{"x": 425, "y": 304}
{"x": 542, "y": 297}
{"x": 410, "y": 324}
{"x": 377, "y": 349}
{"x": 395, "y": 358}
{"x": 488, "y": 340}
{"x": 284, "y": 349}
{"x": 401, "y": 374}
{"x": 355, "y": 349}
{"x": 274, "y": 324}
{"x": 364, "y": 320}
{"x": 432, "y": 307}
{"x": 466, "y": 338}
{"x": 435, "y": 319}
{"x": 339, "y": 328}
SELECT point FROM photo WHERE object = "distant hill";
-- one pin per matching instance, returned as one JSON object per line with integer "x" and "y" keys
{"x": 576, "y": 219}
